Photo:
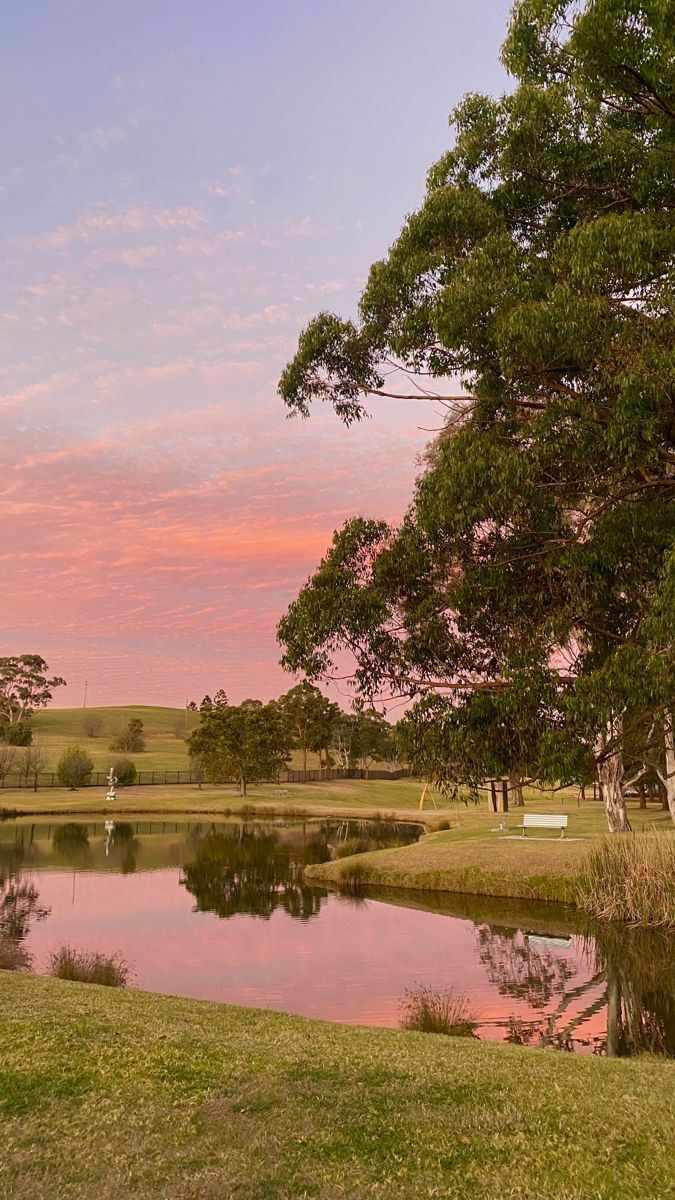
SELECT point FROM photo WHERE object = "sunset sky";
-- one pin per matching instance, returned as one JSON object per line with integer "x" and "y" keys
{"x": 182, "y": 186}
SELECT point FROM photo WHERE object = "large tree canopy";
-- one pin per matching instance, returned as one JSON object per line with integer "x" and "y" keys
{"x": 24, "y": 686}
{"x": 537, "y": 557}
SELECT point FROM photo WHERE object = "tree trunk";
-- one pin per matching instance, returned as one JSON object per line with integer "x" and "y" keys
{"x": 609, "y": 764}
{"x": 517, "y": 789}
{"x": 669, "y": 743}
{"x": 643, "y": 795}
{"x": 242, "y": 786}
{"x": 304, "y": 759}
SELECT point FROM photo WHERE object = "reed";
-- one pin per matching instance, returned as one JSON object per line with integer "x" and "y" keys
{"x": 88, "y": 966}
{"x": 630, "y": 878}
{"x": 429, "y": 1011}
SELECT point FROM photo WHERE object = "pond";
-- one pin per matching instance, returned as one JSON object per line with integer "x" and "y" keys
{"x": 220, "y": 911}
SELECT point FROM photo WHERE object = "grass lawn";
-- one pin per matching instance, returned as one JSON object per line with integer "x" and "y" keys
{"x": 472, "y": 857}
{"x": 116, "y": 1094}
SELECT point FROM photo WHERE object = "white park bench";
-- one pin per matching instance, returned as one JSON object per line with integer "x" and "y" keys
{"x": 544, "y": 821}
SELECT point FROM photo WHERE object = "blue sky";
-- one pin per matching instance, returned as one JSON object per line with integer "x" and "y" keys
{"x": 182, "y": 187}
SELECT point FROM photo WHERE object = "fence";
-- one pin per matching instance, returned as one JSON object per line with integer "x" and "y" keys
{"x": 49, "y": 779}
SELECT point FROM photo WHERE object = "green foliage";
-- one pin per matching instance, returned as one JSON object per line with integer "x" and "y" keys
{"x": 125, "y": 770}
{"x": 528, "y": 593}
{"x": 19, "y": 733}
{"x": 24, "y": 686}
{"x": 74, "y": 768}
{"x": 131, "y": 739}
{"x": 247, "y": 743}
{"x": 310, "y": 717}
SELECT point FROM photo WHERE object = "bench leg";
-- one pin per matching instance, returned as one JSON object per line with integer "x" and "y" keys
{"x": 562, "y": 833}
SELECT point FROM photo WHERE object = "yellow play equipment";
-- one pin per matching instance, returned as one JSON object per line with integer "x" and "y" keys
{"x": 424, "y": 792}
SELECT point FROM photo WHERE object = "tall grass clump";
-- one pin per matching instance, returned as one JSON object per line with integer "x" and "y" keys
{"x": 429, "y": 1011}
{"x": 87, "y": 966}
{"x": 630, "y": 878}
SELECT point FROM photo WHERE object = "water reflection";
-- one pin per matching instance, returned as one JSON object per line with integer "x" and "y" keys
{"x": 162, "y": 894}
{"x": 250, "y": 870}
{"x": 19, "y": 907}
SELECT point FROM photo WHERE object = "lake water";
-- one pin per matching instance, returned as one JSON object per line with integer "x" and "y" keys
{"x": 220, "y": 911}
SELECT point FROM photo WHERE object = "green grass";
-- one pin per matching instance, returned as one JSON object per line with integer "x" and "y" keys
{"x": 107, "y": 1093}
{"x": 58, "y": 728}
{"x": 472, "y": 858}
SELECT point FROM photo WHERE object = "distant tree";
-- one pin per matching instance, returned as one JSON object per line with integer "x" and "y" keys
{"x": 374, "y": 737}
{"x": 206, "y": 704}
{"x": 7, "y": 762}
{"x": 34, "y": 760}
{"x": 92, "y": 725}
{"x": 20, "y": 733}
{"x": 220, "y": 699}
{"x": 24, "y": 686}
{"x": 247, "y": 743}
{"x": 131, "y": 739}
{"x": 125, "y": 770}
{"x": 310, "y": 718}
{"x": 74, "y": 768}
{"x": 191, "y": 705}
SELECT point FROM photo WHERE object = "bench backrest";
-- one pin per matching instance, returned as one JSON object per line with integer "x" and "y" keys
{"x": 544, "y": 821}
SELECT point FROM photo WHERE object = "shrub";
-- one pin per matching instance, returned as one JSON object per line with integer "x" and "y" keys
{"x": 19, "y": 733}
{"x": 74, "y": 767}
{"x": 131, "y": 739}
{"x": 429, "y": 1011}
{"x": 13, "y": 955}
{"x": 87, "y": 966}
{"x": 630, "y": 878}
{"x": 125, "y": 771}
{"x": 92, "y": 725}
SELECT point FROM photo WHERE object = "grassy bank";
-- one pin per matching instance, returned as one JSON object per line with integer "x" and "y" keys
{"x": 117, "y": 1094}
{"x": 476, "y": 858}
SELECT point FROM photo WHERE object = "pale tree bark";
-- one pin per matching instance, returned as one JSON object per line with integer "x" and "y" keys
{"x": 609, "y": 765}
{"x": 668, "y": 778}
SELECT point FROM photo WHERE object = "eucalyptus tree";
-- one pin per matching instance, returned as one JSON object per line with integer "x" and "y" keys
{"x": 24, "y": 686}
{"x": 310, "y": 717}
{"x": 538, "y": 552}
{"x": 248, "y": 742}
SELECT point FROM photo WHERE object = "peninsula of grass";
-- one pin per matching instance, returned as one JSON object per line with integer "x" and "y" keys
{"x": 116, "y": 1094}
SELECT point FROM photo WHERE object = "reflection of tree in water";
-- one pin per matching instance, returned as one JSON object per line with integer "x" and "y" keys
{"x": 520, "y": 969}
{"x": 639, "y": 966}
{"x": 251, "y": 871}
{"x": 19, "y": 905}
{"x": 635, "y": 971}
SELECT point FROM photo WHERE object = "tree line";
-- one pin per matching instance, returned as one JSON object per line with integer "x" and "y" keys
{"x": 253, "y": 741}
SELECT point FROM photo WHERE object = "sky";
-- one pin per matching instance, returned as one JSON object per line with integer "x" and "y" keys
{"x": 182, "y": 187}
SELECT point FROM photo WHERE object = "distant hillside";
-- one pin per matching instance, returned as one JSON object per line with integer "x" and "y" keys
{"x": 164, "y": 730}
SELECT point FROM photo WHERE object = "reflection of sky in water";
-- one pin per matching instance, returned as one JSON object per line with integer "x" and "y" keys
{"x": 156, "y": 894}
{"x": 349, "y": 963}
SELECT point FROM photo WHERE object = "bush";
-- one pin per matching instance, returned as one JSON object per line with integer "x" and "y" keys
{"x": 428, "y": 1011}
{"x": 125, "y": 771}
{"x": 86, "y": 966}
{"x": 630, "y": 878}
{"x": 19, "y": 733}
{"x": 74, "y": 768}
{"x": 92, "y": 725}
{"x": 131, "y": 739}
